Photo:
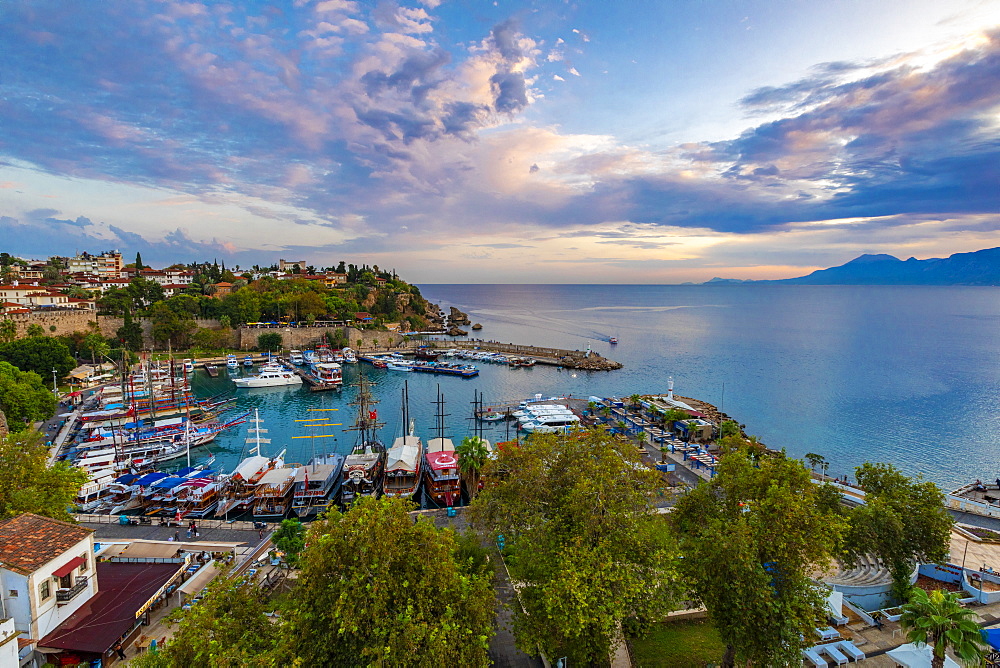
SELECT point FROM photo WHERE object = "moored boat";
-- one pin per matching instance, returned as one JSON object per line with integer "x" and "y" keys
{"x": 270, "y": 376}
{"x": 364, "y": 467}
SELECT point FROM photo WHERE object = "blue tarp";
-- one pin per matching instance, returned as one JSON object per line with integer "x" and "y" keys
{"x": 183, "y": 473}
{"x": 127, "y": 479}
{"x": 992, "y": 637}
{"x": 150, "y": 478}
{"x": 167, "y": 483}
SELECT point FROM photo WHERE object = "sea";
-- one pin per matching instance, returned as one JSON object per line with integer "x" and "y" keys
{"x": 898, "y": 374}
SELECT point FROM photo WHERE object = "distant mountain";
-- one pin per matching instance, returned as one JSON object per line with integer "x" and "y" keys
{"x": 977, "y": 268}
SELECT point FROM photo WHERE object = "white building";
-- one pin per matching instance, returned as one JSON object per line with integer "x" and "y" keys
{"x": 47, "y": 573}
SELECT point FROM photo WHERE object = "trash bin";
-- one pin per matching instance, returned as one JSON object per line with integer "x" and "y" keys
{"x": 452, "y": 512}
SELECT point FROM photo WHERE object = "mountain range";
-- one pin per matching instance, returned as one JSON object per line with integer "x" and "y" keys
{"x": 977, "y": 268}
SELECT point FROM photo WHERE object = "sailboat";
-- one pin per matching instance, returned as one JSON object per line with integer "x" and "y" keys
{"x": 441, "y": 479}
{"x": 405, "y": 458}
{"x": 317, "y": 483}
{"x": 248, "y": 473}
{"x": 364, "y": 467}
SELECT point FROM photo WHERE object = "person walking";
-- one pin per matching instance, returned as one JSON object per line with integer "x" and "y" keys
{"x": 177, "y": 536}
{"x": 119, "y": 650}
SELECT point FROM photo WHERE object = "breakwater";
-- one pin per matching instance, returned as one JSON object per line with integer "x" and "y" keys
{"x": 586, "y": 360}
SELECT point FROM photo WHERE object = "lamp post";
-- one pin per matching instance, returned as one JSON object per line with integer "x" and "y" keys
{"x": 55, "y": 388}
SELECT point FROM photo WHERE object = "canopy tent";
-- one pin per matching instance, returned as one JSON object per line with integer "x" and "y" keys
{"x": 167, "y": 483}
{"x": 912, "y": 655}
{"x": 150, "y": 478}
{"x": 200, "y": 580}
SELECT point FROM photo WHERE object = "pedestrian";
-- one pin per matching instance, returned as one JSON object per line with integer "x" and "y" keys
{"x": 189, "y": 533}
{"x": 260, "y": 531}
{"x": 119, "y": 650}
{"x": 177, "y": 536}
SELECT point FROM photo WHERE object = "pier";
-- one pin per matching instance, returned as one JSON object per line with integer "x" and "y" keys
{"x": 586, "y": 360}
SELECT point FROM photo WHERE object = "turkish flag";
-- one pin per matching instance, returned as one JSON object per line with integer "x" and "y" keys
{"x": 372, "y": 415}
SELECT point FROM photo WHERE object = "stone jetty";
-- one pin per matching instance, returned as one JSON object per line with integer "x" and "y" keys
{"x": 567, "y": 359}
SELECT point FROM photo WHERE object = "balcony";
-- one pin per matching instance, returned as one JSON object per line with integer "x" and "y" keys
{"x": 64, "y": 596}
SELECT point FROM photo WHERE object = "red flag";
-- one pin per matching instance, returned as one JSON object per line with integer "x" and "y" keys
{"x": 372, "y": 415}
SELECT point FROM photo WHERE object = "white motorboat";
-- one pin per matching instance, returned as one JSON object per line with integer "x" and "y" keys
{"x": 271, "y": 375}
{"x": 296, "y": 358}
{"x": 188, "y": 366}
{"x": 231, "y": 362}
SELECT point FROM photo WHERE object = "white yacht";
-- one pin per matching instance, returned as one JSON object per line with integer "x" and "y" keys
{"x": 271, "y": 375}
{"x": 188, "y": 366}
{"x": 296, "y": 358}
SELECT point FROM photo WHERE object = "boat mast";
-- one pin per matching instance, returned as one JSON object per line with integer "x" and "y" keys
{"x": 440, "y": 414}
{"x": 366, "y": 423}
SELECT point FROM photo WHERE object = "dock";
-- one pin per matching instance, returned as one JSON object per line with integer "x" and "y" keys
{"x": 212, "y": 370}
{"x": 586, "y": 360}
{"x": 309, "y": 379}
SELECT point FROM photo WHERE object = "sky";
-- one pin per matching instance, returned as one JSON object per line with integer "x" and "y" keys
{"x": 459, "y": 141}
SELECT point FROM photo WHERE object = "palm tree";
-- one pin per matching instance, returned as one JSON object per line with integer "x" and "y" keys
{"x": 636, "y": 401}
{"x": 939, "y": 620}
{"x": 472, "y": 456}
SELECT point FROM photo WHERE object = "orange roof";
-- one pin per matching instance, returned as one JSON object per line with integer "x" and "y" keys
{"x": 30, "y": 541}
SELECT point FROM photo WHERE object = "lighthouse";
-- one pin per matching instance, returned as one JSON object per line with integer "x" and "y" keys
{"x": 670, "y": 388}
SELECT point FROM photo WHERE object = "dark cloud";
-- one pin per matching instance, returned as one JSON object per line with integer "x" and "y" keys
{"x": 505, "y": 39}
{"x": 533, "y": 169}
{"x": 509, "y": 91}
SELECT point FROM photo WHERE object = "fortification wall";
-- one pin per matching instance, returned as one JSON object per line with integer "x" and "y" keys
{"x": 65, "y": 322}
{"x": 307, "y": 337}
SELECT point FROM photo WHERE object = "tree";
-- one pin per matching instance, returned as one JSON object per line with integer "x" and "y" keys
{"x": 130, "y": 333}
{"x": 472, "y": 457}
{"x": 144, "y": 292}
{"x": 138, "y": 262}
{"x": 269, "y": 341}
{"x": 228, "y": 628}
{"x": 8, "y": 330}
{"x": 728, "y": 428}
{"x": 672, "y": 415}
{"x": 290, "y": 539}
{"x": 751, "y": 539}
{"x": 28, "y": 485}
{"x": 588, "y": 549}
{"x": 34, "y": 329}
{"x": 902, "y": 522}
{"x": 169, "y": 326}
{"x": 939, "y": 620}
{"x": 814, "y": 460}
{"x": 636, "y": 401}
{"x": 377, "y": 588}
{"x": 39, "y": 354}
{"x": 97, "y": 345}
{"x": 24, "y": 398}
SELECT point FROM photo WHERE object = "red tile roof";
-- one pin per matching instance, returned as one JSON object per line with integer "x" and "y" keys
{"x": 29, "y": 541}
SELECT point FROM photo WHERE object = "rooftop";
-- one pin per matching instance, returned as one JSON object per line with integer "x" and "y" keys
{"x": 30, "y": 541}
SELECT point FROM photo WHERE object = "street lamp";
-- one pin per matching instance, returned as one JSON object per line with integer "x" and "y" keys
{"x": 55, "y": 389}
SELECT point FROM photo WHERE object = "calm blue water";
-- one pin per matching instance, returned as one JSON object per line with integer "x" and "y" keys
{"x": 906, "y": 375}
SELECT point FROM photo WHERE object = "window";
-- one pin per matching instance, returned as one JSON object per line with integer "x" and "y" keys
{"x": 86, "y": 564}
{"x": 43, "y": 589}
{"x": 13, "y": 593}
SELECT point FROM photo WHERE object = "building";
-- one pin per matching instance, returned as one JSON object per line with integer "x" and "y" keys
{"x": 222, "y": 289}
{"x": 334, "y": 279}
{"x": 364, "y": 316}
{"x": 106, "y": 265}
{"x": 289, "y": 265}
{"x": 46, "y": 573}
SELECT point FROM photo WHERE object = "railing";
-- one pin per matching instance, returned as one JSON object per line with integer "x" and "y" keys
{"x": 67, "y": 595}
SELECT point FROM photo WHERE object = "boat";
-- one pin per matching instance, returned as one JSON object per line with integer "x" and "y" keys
{"x": 325, "y": 376}
{"x": 296, "y": 358}
{"x": 491, "y": 416}
{"x": 248, "y": 361}
{"x": 442, "y": 484}
{"x": 399, "y": 365}
{"x": 317, "y": 485}
{"x": 269, "y": 376}
{"x": 273, "y": 494}
{"x": 188, "y": 366}
{"x": 404, "y": 459}
{"x": 613, "y": 340}
{"x": 231, "y": 362}
{"x": 350, "y": 357}
{"x": 364, "y": 467}
{"x": 378, "y": 364}
{"x": 239, "y": 495}
{"x": 309, "y": 358}
{"x": 425, "y": 353}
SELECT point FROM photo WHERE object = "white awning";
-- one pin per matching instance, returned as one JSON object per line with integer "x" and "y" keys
{"x": 200, "y": 579}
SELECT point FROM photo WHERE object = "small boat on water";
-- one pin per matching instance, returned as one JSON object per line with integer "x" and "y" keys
{"x": 350, "y": 357}
{"x": 248, "y": 361}
{"x": 272, "y": 375}
{"x": 273, "y": 494}
{"x": 239, "y": 495}
{"x": 231, "y": 362}
{"x": 613, "y": 340}
{"x": 296, "y": 358}
{"x": 326, "y": 375}
{"x": 188, "y": 366}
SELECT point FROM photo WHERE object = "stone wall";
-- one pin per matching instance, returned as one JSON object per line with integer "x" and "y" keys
{"x": 111, "y": 324}
{"x": 65, "y": 322}
{"x": 307, "y": 337}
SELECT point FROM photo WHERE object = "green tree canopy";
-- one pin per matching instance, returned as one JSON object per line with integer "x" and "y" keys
{"x": 28, "y": 485}
{"x": 170, "y": 326}
{"x": 269, "y": 341}
{"x": 290, "y": 539}
{"x": 939, "y": 620}
{"x": 8, "y": 330}
{"x": 751, "y": 538}
{"x": 903, "y": 522}
{"x": 39, "y": 354}
{"x": 472, "y": 457}
{"x": 587, "y": 547}
{"x": 228, "y": 628}
{"x": 377, "y": 588}
{"x": 24, "y": 398}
